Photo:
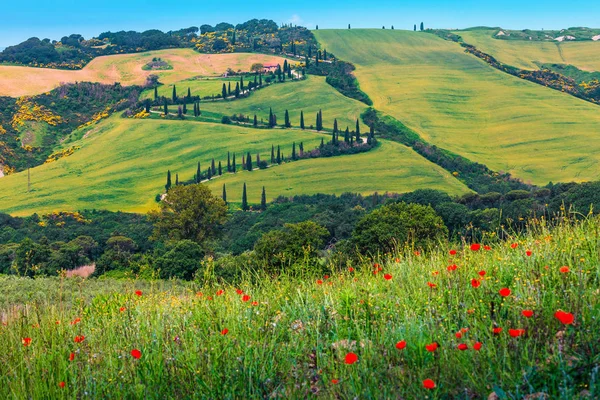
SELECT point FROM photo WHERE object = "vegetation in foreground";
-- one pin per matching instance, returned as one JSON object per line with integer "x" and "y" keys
{"x": 516, "y": 317}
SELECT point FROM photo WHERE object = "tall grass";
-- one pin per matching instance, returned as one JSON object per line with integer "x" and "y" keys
{"x": 290, "y": 338}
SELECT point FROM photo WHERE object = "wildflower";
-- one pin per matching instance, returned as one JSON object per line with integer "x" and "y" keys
{"x": 239, "y": 291}
{"x": 388, "y": 277}
{"x": 504, "y": 292}
{"x": 475, "y": 283}
{"x": 26, "y": 341}
{"x": 397, "y": 260}
{"x": 350, "y": 269}
{"x": 475, "y": 247}
{"x": 319, "y": 282}
{"x": 527, "y": 313}
{"x": 76, "y": 321}
{"x": 79, "y": 339}
{"x": 458, "y": 335}
{"x": 529, "y": 253}
{"x": 428, "y": 384}
{"x": 335, "y": 381}
{"x": 401, "y": 344}
{"x": 514, "y": 245}
{"x": 220, "y": 292}
{"x": 138, "y": 293}
{"x": 487, "y": 248}
{"x": 431, "y": 347}
{"x": 431, "y": 285}
{"x": 135, "y": 353}
{"x": 452, "y": 267}
{"x": 417, "y": 253}
{"x": 351, "y": 358}
{"x": 452, "y": 252}
{"x": 462, "y": 347}
{"x": 477, "y": 346}
{"x": 224, "y": 331}
{"x": 325, "y": 277}
{"x": 516, "y": 332}
{"x": 245, "y": 298}
{"x": 71, "y": 356}
{"x": 565, "y": 318}
{"x": 255, "y": 303}
{"x": 564, "y": 269}
{"x": 481, "y": 273}
{"x": 497, "y": 330}
{"x": 61, "y": 384}
{"x": 122, "y": 309}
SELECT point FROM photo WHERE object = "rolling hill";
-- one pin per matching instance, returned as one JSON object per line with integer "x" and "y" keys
{"x": 460, "y": 103}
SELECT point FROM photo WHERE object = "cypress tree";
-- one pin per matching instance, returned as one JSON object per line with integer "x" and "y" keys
{"x": 348, "y": 26}
{"x": 306, "y": 61}
{"x": 301, "y": 119}
{"x": 168, "y": 185}
{"x": 357, "y": 132}
{"x": 347, "y": 135}
{"x": 287, "y": 120}
{"x": 176, "y": 179}
{"x": 199, "y": 112}
{"x": 271, "y": 118}
{"x": 224, "y": 196}
{"x": 249, "y": 162}
{"x": 228, "y": 162}
{"x": 198, "y": 173}
{"x": 179, "y": 112}
{"x": 244, "y": 199}
{"x": 263, "y": 200}
{"x": 294, "y": 151}
{"x": 333, "y": 137}
{"x": 224, "y": 91}
{"x": 213, "y": 169}
{"x": 237, "y": 90}
{"x": 392, "y": 27}
{"x": 285, "y": 66}
{"x": 174, "y": 94}
{"x": 257, "y": 160}
{"x": 189, "y": 94}
{"x": 233, "y": 166}
{"x": 242, "y": 84}
{"x": 325, "y": 55}
{"x": 317, "y": 122}
{"x": 301, "y": 149}
{"x": 260, "y": 79}
{"x": 278, "y": 155}
{"x": 229, "y": 89}
{"x": 322, "y": 144}
{"x": 255, "y": 82}
{"x": 255, "y": 121}
{"x": 415, "y": 27}
{"x": 422, "y": 27}
{"x": 147, "y": 105}
{"x": 155, "y": 93}
{"x": 272, "y": 154}
{"x": 233, "y": 39}
{"x": 220, "y": 169}
{"x": 184, "y": 108}
{"x": 209, "y": 174}
{"x": 166, "y": 107}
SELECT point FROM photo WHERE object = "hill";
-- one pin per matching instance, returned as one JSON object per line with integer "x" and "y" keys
{"x": 459, "y": 103}
{"x": 127, "y": 69}
{"x": 122, "y": 165}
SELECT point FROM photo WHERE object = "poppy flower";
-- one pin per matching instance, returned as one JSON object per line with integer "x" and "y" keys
{"x": 350, "y": 269}
{"x": 514, "y": 245}
{"x": 199, "y": 294}
{"x": 417, "y": 253}
{"x": 76, "y": 321}
{"x": 239, "y": 291}
{"x": 375, "y": 265}
{"x": 516, "y": 332}
{"x": 319, "y": 282}
{"x": 504, "y": 292}
{"x": 452, "y": 267}
{"x": 475, "y": 247}
{"x": 487, "y": 248}
{"x": 529, "y": 253}
{"x": 464, "y": 330}
{"x": 26, "y": 341}
{"x": 397, "y": 260}
{"x": 351, "y": 358}
{"x": 431, "y": 285}
{"x": 401, "y": 344}
{"x": 435, "y": 273}
{"x": 428, "y": 384}
{"x": 335, "y": 381}
{"x": 462, "y": 347}
{"x": 481, "y": 273}
{"x": 225, "y": 331}
{"x": 61, "y": 384}
{"x": 431, "y": 347}
{"x": 388, "y": 277}
{"x": 245, "y": 298}
{"x": 135, "y": 353}
{"x": 79, "y": 339}
{"x": 71, "y": 356}
{"x": 564, "y": 317}
{"x": 122, "y": 309}
{"x": 325, "y": 277}
{"x": 497, "y": 331}
{"x": 527, "y": 313}
{"x": 255, "y": 303}
{"x": 477, "y": 346}
{"x": 458, "y": 335}
{"x": 452, "y": 252}
{"x": 475, "y": 283}
{"x": 220, "y": 292}
{"x": 138, "y": 293}
{"x": 564, "y": 269}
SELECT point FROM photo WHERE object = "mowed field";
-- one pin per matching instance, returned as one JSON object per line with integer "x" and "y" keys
{"x": 122, "y": 165}
{"x": 524, "y": 54}
{"x": 127, "y": 69}
{"x": 458, "y": 102}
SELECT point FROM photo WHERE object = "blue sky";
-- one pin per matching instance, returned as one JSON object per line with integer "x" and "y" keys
{"x": 56, "y": 18}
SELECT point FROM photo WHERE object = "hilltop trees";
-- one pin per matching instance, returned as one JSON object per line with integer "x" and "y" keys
{"x": 301, "y": 119}
{"x": 245, "y": 206}
{"x": 168, "y": 185}
{"x": 422, "y": 27}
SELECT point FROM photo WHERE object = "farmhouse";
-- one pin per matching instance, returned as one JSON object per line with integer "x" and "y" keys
{"x": 270, "y": 67}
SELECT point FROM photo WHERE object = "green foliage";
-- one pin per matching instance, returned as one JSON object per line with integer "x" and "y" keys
{"x": 182, "y": 261}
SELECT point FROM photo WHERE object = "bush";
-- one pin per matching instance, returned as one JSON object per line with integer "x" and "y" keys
{"x": 182, "y": 261}
{"x": 226, "y": 120}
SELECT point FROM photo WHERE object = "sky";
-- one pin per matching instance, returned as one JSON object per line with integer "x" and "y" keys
{"x": 57, "y": 18}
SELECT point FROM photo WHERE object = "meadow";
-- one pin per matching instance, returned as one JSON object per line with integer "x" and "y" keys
{"x": 199, "y": 86}
{"x": 516, "y": 318}
{"x": 127, "y": 69}
{"x": 529, "y": 55}
{"x": 122, "y": 165}
{"x": 458, "y": 102}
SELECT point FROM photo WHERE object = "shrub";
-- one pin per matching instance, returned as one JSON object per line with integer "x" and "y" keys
{"x": 182, "y": 261}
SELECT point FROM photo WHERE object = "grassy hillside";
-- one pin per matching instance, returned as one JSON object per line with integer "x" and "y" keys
{"x": 391, "y": 167}
{"x": 458, "y": 102}
{"x": 122, "y": 165}
{"x": 527, "y": 55}
{"x": 127, "y": 69}
{"x": 199, "y": 86}
{"x": 522, "y": 327}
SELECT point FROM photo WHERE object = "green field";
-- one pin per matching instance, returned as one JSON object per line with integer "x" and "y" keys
{"x": 391, "y": 167}
{"x": 527, "y": 55}
{"x": 122, "y": 165}
{"x": 460, "y": 103}
{"x": 200, "y": 86}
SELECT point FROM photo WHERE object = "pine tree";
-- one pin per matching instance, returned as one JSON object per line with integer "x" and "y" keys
{"x": 255, "y": 121}
{"x": 224, "y": 196}
{"x": 166, "y": 107}
{"x": 213, "y": 169}
{"x": 272, "y": 154}
{"x": 220, "y": 169}
{"x": 244, "y": 199}
{"x": 224, "y": 91}
{"x": 301, "y": 119}
{"x": 176, "y": 179}
{"x": 263, "y": 200}
{"x": 278, "y": 155}
{"x": 294, "y": 151}
{"x": 174, "y": 94}
{"x": 249, "y": 162}
{"x": 422, "y": 27}
{"x": 198, "y": 173}
{"x": 233, "y": 165}
{"x": 287, "y": 120}
{"x": 155, "y": 93}
{"x": 168, "y": 185}
{"x": 237, "y": 90}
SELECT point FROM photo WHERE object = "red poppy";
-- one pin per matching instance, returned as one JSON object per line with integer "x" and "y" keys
{"x": 487, "y": 248}
{"x": 401, "y": 344}
{"x": 452, "y": 267}
{"x": 351, "y": 358}
{"x": 375, "y": 265}
{"x": 529, "y": 253}
{"x": 26, "y": 341}
{"x": 481, "y": 273}
{"x": 565, "y": 318}
{"x": 225, "y": 331}
{"x": 458, "y": 335}
{"x": 199, "y": 294}
{"x": 462, "y": 347}
{"x": 239, "y": 291}
{"x": 135, "y": 353}
{"x": 76, "y": 321}
{"x": 497, "y": 331}
{"x": 475, "y": 247}
{"x": 245, "y": 298}
{"x": 122, "y": 309}
{"x": 335, "y": 381}
{"x": 475, "y": 283}
{"x": 452, "y": 252}
{"x": 477, "y": 346}
{"x": 350, "y": 269}
{"x": 388, "y": 277}
{"x": 514, "y": 245}
{"x": 527, "y": 313}
{"x": 71, "y": 356}
{"x": 428, "y": 384}
{"x": 431, "y": 347}
{"x": 431, "y": 285}
{"x": 464, "y": 330}
{"x": 79, "y": 339}
{"x": 61, "y": 384}
{"x": 138, "y": 292}
{"x": 417, "y": 253}
{"x": 564, "y": 269}
{"x": 319, "y": 282}
{"x": 504, "y": 292}
{"x": 255, "y": 303}
{"x": 516, "y": 332}
{"x": 434, "y": 273}
{"x": 220, "y": 292}
{"x": 325, "y": 277}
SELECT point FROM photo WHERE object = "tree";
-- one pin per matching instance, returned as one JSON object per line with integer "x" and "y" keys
{"x": 233, "y": 165}
{"x": 422, "y": 27}
{"x": 213, "y": 168}
{"x": 272, "y": 154}
{"x": 392, "y": 27}
{"x": 184, "y": 109}
{"x": 237, "y": 90}
{"x": 358, "y": 141}
{"x": 271, "y": 118}
{"x": 245, "y": 199}
{"x": 260, "y": 82}
{"x": 209, "y": 173}
{"x": 415, "y": 27}
{"x": 287, "y": 120}
{"x": 263, "y": 200}
{"x": 348, "y": 26}
{"x": 301, "y": 149}
{"x": 224, "y": 195}
{"x": 220, "y": 169}
{"x": 242, "y": 84}
{"x": 168, "y": 185}
{"x": 229, "y": 89}
{"x": 257, "y": 67}
{"x": 174, "y": 94}
{"x": 182, "y": 261}
{"x": 224, "y": 91}
{"x": 278, "y": 155}
{"x": 189, "y": 96}
{"x": 176, "y": 179}
{"x": 233, "y": 39}
{"x": 301, "y": 119}
{"x": 155, "y": 93}
{"x": 198, "y": 173}
{"x": 249, "y": 162}
{"x": 189, "y": 212}
{"x": 294, "y": 151}
{"x": 228, "y": 162}
{"x": 255, "y": 121}
{"x": 179, "y": 112}
{"x": 147, "y": 105}
{"x": 347, "y": 135}
{"x": 166, "y": 107}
